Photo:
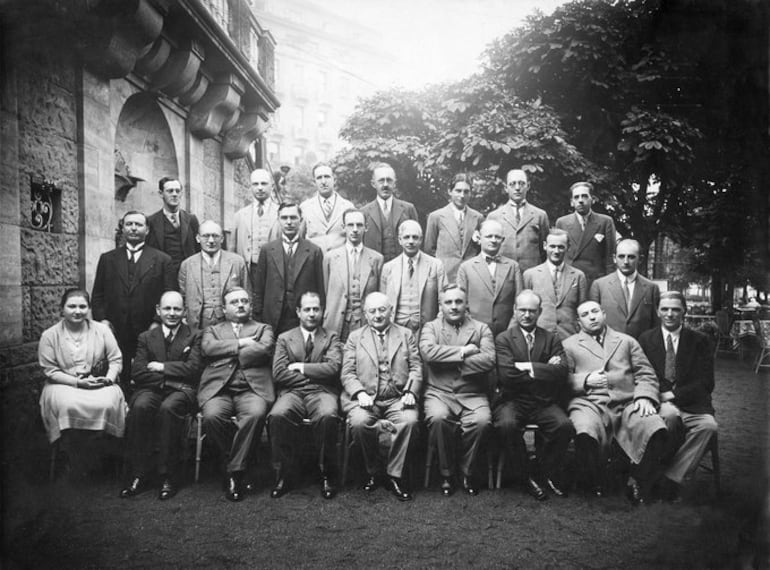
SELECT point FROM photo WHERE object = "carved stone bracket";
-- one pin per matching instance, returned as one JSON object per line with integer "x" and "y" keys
{"x": 250, "y": 126}
{"x": 179, "y": 73}
{"x": 217, "y": 106}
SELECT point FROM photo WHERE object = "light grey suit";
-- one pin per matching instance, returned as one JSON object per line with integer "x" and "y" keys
{"x": 523, "y": 241}
{"x": 608, "y": 292}
{"x": 443, "y": 239}
{"x": 326, "y": 234}
{"x": 431, "y": 278}
{"x": 559, "y": 311}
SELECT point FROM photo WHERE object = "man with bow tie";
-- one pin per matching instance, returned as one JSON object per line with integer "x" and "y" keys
{"x": 615, "y": 397}
{"x": 560, "y": 286}
{"x": 381, "y": 381}
{"x": 531, "y": 378}
{"x": 128, "y": 284}
{"x": 237, "y": 381}
{"x": 459, "y": 353}
{"x": 491, "y": 280}
{"x": 287, "y": 268}
{"x": 306, "y": 370}
{"x": 166, "y": 371}
{"x": 413, "y": 280}
{"x": 322, "y": 212}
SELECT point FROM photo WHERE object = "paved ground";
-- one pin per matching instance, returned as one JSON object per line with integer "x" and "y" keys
{"x": 87, "y": 526}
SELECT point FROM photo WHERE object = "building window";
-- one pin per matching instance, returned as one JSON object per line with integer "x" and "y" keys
{"x": 254, "y": 48}
{"x": 273, "y": 152}
{"x": 296, "y": 155}
{"x": 322, "y": 118}
{"x": 298, "y": 117}
{"x": 45, "y": 204}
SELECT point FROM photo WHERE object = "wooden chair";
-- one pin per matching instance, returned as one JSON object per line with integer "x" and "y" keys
{"x": 726, "y": 343}
{"x": 763, "y": 333}
{"x": 714, "y": 469}
{"x": 530, "y": 432}
{"x": 429, "y": 457}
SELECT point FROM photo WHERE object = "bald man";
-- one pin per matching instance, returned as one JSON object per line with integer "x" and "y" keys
{"x": 413, "y": 280}
{"x": 205, "y": 276}
{"x": 166, "y": 371}
{"x": 256, "y": 224}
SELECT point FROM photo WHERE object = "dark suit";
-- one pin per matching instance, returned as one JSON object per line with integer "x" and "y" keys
{"x": 188, "y": 229}
{"x": 692, "y": 389}
{"x": 237, "y": 381}
{"x": 524, "y": 397}
{"x": 488, "y": 302}
{"x": 312, "y": 394}
{"x": 129, "y": 305}
{"x": 457, "y": 389}
{"x": 162, "y": 399}
{"x": 590, "y": 250}
{"x": 608, "y": 292}
{"x": 275, "y": 291}
{"x": 380, "y": 233}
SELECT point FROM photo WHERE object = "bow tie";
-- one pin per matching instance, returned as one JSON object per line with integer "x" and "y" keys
{"x": 492, "y": 258}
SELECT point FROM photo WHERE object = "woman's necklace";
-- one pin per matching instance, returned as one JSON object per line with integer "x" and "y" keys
{"x": 75, "y": 339}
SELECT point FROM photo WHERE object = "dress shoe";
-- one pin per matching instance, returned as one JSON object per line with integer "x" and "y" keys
{"x": 279, "y": 489}
{"x": 535, "y": 490}
{"x": 233, "y": 492}
{"x": 469, "y": 487}
{"x": 371, "y": 484}
{"x": 328, "y": 491}
{"x": 167, "y": 490}
{"x": 249, "y": 486}
{"x": 634, "y": 493}
{"x": 555, "y": 489}
{"x": 136, "y": 486}
{"x": 670, "y": 491}
{"x": 446, "y": 487}
{"x": 597, "y": 491}
{"x": 398, "y": 491}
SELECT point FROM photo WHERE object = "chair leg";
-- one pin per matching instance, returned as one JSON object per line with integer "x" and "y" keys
{"x": 52, "y": 467}
{"x": 500, "y": 467}
{"x": 490, "y": 470}
{"x": 428, "y": 463}
{"x": 714, "y": 447}
{"x": 198, "y": 447}
{"x": 346, "y": 455}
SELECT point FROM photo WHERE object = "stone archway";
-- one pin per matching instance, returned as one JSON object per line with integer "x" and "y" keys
{"x": 144, "y": 153}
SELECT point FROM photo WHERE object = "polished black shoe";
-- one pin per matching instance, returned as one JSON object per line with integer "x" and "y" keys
{"x": 597, "y": 491}
{"x": 328, "y": 491}
{"x": 167, "y": 490}
{"x": 469, "y": 488}
{"x": 535, "y": 490}
{"x": 136, "y": 486}
{"x": 670, "y": 491}
{"x": 446, "y": 487}
{"x": 233, "y": 491}
{"x": 555, "y": 489}
{"x": 398, "y": 491}
{"x": 634, "y": 493}
{"x": 279, "y": 489}
{"x": 371, "y": 484}
{"x": 249, "y": 486}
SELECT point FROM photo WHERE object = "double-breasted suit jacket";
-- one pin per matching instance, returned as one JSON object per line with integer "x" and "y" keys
{"x": 608, "y": 292}
{"x": 321, "y": 372}
{"x": 188, "y": 229}
{"x": 523, "y": 241}
{"x": 444, "y": 241}
{"x": 336, "y": 270}
{"x": 130, "y": 305}
{"x": 360, "y": 364}
{"x": 605, "y": 414}
{"x": 590, "y": 250}
{"x": 274, "y": 290}
{"x": 559, "y": 309}
{"x": 182, "y": 361}
{"x": 488, "y": 302}
{"x": 400, "y": 212}
{"x": 325, "y": 233}
{"x": 245, "y": 228}
{"x": 223, "y": 358}
{"x": 431, "y": 279}
{"x": 233, "y": 272}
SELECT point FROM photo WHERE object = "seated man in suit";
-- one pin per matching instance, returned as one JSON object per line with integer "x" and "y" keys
{"x": 449, "y": 230}
{"x": 306, "y": 370}
{"x": 615, "y": 397}
{"x": 385, "y": 213}
{"x": 351, "y": 272}
{"x": 237, "y": 381}
{"x": 413, "y": 280}
{"x": 561, "y": 287}
{"x": 165, "y": 371}
{"x": 381, "y": 380}
{"x": 287, "y": 268}
{"x": 203, "y": 277}
{"x": 629, "y": 300}
{"x": 459, "y": 353}
{"x": 322, "y": 212}
{"x": 491, "y": 281}
{"x": 531, "y": 376}
{"x": 682, "y": 359}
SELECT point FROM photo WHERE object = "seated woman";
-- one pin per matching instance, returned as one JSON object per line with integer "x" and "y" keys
{"x": 81, "y": 360}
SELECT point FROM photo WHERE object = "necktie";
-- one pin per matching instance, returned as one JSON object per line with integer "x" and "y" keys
{"x": 169, "y": 337}
{"x": 132, "y": 253}
{"x": 356, "y": 268}
{"x": 518, "y": 215}
{"x": 530, "y": 344}
{"x": 327, "y": 208}
{"x": 237, "y": 329}
{"x": 670, "y": 369}
{"x": 309, "y": 348}
{"x": 411, "y": 267}
{"x": 383, "y": 347}
{"x": 556, "y": 281}
{"x": 627, "y": 293}
{"x": 460, "y": 220}
{"x": 599, "y": 339}
{"x": 290, "y": 249}
{"x": 582, "y": 223}
{"x": 175, "y": 220}
{"x": 385, "y": 209}
{"x": 260, "y": 209}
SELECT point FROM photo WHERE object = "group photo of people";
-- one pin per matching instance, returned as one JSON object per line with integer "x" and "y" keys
{"x": 327, "y": 322}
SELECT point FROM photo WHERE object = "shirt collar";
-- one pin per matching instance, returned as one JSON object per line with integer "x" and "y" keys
{"x": 631, "y": 278}
{"x": 306, "y": 333}
{"x": 675, "y": 334}
{"x": 212, "y": 259}
{"x": 287, "y": 241}
{"x": 351, "y": 248}
{"x": 166, "y": 330}
{"x": 514, "y": 205}
{"x": 383, "y": 203}
{"x": 551, "y": 266}
{"x": 582, "y": 217}
{"x": 135, "y": 248}
{"x": 525, "y": 333}
{"x": 416, "y": 257}
{"x": 169, "y": 213}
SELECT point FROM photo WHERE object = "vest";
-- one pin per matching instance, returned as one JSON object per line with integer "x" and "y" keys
{"x": 172, "y": 241}
{"x": 408, "y": 306}
{"x": 212, "y": 311}
{"x": 390, "y": 247}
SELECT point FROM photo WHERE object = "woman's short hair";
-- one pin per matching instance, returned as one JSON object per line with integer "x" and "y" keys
{"x": 74, "y": 292}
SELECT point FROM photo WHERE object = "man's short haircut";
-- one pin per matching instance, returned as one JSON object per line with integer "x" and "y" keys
{"x": 234, "y": 289}
{"x": 319, "y": 165}
{"x": 558, "y": 232}
{"x": 582, "y": 183}
{"x": 169, "y": 292}
{"x": 453, "y": 287}
{"x": 377, "y": 165}
{"x": 678, "y": 295}
{"x": 74, "y": 292}
{"x": 407, "y": 224}
{"x": 466, "y": 177}
{"x": 352, "y": 211}
{"x": 134, "y": 213}
{"x": 284, "y": 205}
{"x": 298, "y": 304}
{"x": 531, "y": 293}
{"x": 628, "y": 240}
{"x": 162, "y": 182}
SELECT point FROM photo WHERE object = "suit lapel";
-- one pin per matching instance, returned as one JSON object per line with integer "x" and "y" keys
{"x": 567, "y": 280}
{"x": 297, "y": 345}
{"x": 375, "y": 214}
{"x": 364, "y": 267}
{"x": 526, "y": 216}
{"x": 611, "y": 344}
{"x": 397, "y": 277}
{"x": 450, "y": 225}
{"x": 519, "y": 342}
{"x": 319, "y": 342}
{"x": 480, "y": 266}
{"x": 303, "y": 252}
{"x": 120, "y": 259}
{"x": 184, "y": 225}
{"x": 589, "y": 343}
{"x": 423, "y": 268}
{"x": 501, "y": 274}
{"x": 616, "y": 290}
{"x": 639, "y": 291}
{"x": 588, "y": 233}
{"x": 394, "y": 341}
{"x": 396, "y": 211}
{"x": 469, "y": 226}
{"x": 367, "y": 344}
{"x": 509, "y": 216}
{"x": 276, "y": 253}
